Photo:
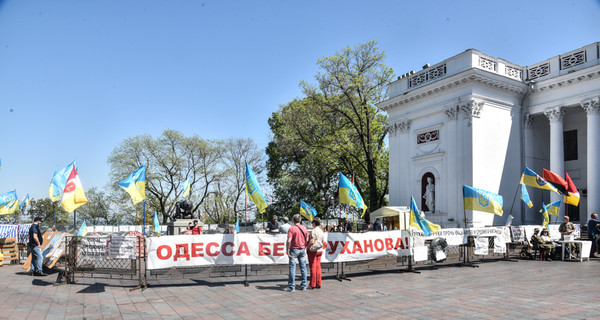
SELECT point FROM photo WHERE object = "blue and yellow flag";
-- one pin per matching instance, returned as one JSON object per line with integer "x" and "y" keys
{"x": 349, "y": 194}
{"x": 237, "y": 225}
{"x": 24, "y": 203}
{"x": 307, "y": 211}
{"x": 9, "y": 202}
{"x": 544, "y": 212}
{"x": 531, "y": 178}
{"x": 525, "y": 196}
{"x": 417, "y": 221}
{"x": 59, "y": 181}
{"x": 253, "y": 190}
{"x": 187, "y": 185}
{"x": 83, "y": 230}
{"x": 156, "y": 224}
{"x": 135, "y": 184}
{"x": 553, "y": 208}
{"x": 481, "y": 200}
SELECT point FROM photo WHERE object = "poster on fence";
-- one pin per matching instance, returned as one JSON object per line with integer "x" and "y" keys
{"x": 122, "y": 247}
{"x": 481, "y": 246}
{"x": 93, "y": 248}
{"x": 223, "y": 249}
{"x": 518, "y": 233}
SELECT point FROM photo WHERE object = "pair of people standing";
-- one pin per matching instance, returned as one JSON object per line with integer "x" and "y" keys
{"x": 298, "y": 240}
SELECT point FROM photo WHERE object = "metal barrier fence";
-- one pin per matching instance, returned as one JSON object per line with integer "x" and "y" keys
{"x": 78, "y": 265}
{"x": 102, "y": 265}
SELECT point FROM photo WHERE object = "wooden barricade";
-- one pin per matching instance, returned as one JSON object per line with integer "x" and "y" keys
{"x": 9, "y": 249}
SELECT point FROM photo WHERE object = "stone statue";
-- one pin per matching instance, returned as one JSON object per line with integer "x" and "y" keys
{"x": 429, "y": 195}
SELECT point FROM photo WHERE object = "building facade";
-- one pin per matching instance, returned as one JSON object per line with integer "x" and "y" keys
{"x": 477, "y": 120}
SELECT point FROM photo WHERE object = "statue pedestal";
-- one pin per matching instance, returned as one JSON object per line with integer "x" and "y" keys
{"x": 178, "y": 226}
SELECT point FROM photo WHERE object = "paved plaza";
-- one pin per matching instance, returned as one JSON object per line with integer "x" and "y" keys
{"x": 496, "y": 290}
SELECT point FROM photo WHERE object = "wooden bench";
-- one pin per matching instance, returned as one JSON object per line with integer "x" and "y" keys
{"x": 8, "y": 247}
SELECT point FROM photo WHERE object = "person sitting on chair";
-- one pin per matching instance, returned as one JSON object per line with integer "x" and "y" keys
{"x": 540, "y": 244}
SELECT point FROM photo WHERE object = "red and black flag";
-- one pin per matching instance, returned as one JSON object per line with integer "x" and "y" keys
{"x": 573, "y": 197}
{"x": 557, "y": 181}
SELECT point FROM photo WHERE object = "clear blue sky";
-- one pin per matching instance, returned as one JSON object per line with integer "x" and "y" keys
{"x": 79, "y": 77}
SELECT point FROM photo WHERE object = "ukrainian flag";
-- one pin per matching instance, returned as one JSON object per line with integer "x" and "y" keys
{"x": 307, "y": 211}
{"x": 135, "y": 184}
{"x": 253, "y": 190}
{"x": 156, "y": 224}
{"x": 417, "y": 221}
{"x": 349, "y": 194}
{"x": 481, "y": 200}
{"x": 544, "y": 212}
{"x": 24, "y": 203}
{"x": 525, "y": 196}
{"x": 553, "y": 208}
{"x": 83, "y": 230}
{"x": 9, "y": 202}
{"x": 531, "y": 178}
{"x": 187, "y": 185}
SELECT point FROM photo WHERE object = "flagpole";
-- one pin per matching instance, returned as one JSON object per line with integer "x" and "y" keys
{"x": 245, "y": 211}
{"x": 514, "y": 198}
{"x": 74, "y": 219}
{"x": 144, "y": 227}
{"x": 54, "y": 213}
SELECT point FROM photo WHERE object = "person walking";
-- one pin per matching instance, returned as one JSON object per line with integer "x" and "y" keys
{"x": 295, "y": 247}
{"x": 35, "y": 247}
{"x": 315, "y": 251}
{"x": 592, "y": 232}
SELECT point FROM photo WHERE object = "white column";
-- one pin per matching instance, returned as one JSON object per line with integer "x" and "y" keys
{"x": 529, "y": 155}
{"x": 452, "y": 185}
{"x": 557, "y": 153}
{"x": 592, "y": 108}
{"x": 405, "y": 165}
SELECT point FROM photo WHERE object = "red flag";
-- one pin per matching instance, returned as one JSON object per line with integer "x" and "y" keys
{"x": 556, "y": 181}
{"x": 573, "y": 197}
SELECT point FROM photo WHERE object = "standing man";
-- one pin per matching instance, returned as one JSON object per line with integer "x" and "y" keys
{"x": 196, "y": 229}
{"x": 566, "y": 229}
{"x": 273, "y": 226}
{"x": 285, "y": 227}
{"x": 592, "y": 233}
{"x": 35, "y": 246}
{"x": 295, "y": 247}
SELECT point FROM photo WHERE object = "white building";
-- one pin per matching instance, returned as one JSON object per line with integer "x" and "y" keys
{"x": 478, "y": 120}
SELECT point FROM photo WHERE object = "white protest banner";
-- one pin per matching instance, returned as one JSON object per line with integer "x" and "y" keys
{"x": 481, "y": 246}
{"x": 224, "y": 249}
{"x": 93, "y": 248}
{"x": 122, "y": 247}
{"x": 458, "y": 236}
{"x": 499, "y": 246}
{"x": 518, "y": 233}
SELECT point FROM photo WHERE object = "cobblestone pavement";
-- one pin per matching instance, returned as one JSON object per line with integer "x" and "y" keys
{"x": 495, "y": 290}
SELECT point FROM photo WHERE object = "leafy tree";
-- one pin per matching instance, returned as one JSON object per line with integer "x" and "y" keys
{"x": 97, "y": 211}
{"x": 227, "y": 196}
{"x": 335, "y": 128}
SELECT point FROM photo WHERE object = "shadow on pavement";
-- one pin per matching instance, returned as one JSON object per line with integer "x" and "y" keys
{"x": 93, "y": 288}
{"x": 41, "y": 283}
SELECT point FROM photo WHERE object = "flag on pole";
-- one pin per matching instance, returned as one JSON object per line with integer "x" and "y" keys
{"x": 573, "y": 197}
{"x": 9, "y": 202}
{"x": 186, "y": 187}
{"x": 253, "y": 190}
{"x": 135, "y": 184}
{"x": 417, "y": 221}
{"x": 24, "y": 203}
{"x": 553, "y": 208}
{"x": 73, "y": 197}
{"x": 156, "y": 224}
{"x": 481, "y": 200}
{"x": 525, "y": 196}
{"x": 557, "y": 181}
{"x": 348, "y": 194}
{"x": 544, "y": 212}
{"x": 237, "y": 225}
{"x": 59, "y": 180}
{"x": 307, "y": 211}
{"x": 531, "y": 178}
{"x": 83, "y": 230}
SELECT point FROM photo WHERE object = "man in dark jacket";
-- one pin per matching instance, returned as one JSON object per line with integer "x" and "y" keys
{"x": 35, "y": 247}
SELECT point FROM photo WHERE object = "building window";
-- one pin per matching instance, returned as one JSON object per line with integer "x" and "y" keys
{"x": 570, "y": 145}
{"x": 573, "y": 213}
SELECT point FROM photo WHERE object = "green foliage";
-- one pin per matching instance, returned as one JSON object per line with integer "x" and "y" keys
{"x": 335, "y": 128}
